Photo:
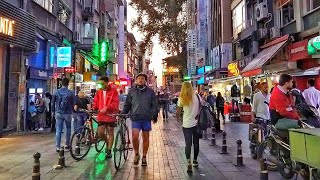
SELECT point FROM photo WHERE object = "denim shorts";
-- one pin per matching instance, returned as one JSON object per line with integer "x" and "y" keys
{"x": 141, "y": 125}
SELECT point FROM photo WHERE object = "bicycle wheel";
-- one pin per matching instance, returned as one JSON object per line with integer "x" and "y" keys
{"x": 126, "y": 142}
{"x": 99, "y": 144}
{"x": 266, "y": 151}
{"x": 117, "y": 150}
{"x": 80, "y": 143}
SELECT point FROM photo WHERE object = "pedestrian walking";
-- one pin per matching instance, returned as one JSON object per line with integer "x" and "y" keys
{"x": 32, "y": 122}
{"x": 41, "y": 114}
{"x": 62, "y": 108}
{"x": 47, "y": 102}
{"x": 211, "y": 100}
{"x": 165, "y": 104}
{"x": 122, "y": 99}
{"x": 81, "y": 103}
{"x": 189, "y": 103}
{"x": 220, "y": 107}
{"x": 312, "y": 95}
{"x": 142, "y": 103}
{"x": 106, "y": 101}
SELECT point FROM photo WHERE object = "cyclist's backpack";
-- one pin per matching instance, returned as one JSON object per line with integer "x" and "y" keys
{"x": 204, "y": 117}
{"x": 62, "y": 101}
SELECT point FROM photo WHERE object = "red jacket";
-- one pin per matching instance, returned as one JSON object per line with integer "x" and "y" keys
{"x": 109, "y": 100}
{"x": 279, "y": 101}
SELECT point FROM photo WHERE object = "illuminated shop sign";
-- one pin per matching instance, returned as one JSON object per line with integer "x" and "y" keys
{"x": 6, "y": 26}
{"x": 103, "y": 51}
{"x": 233, "y": 69}
{"x": 64, "y": 57}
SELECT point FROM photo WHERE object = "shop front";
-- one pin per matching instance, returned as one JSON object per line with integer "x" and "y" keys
{"x": 38, "y": 82}
{"x": 17, "y": 35}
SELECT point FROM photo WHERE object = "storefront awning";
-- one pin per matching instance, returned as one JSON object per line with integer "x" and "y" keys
{"x": 49, "y": 36}
{"x": 309, "y": 72}
{"x": 254, "y": 67}
{"x": 91, "y": 59}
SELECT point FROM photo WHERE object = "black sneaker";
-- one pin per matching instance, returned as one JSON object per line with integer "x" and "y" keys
{"x": 66, "y": 148}
{"x": 195, "y": 163}
{"x": 144, "y": 161}
{"x": 136, "y": 160}
{"x": 108, "y": 154}
{"x": 189, "y": 167}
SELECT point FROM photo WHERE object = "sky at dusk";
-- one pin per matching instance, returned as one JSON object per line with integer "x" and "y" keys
{"x": 158, "y": 53}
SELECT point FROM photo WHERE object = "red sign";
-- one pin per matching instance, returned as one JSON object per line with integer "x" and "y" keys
{"x": 124, "y": 83}
{"x": 69, "y": 70}
{"x": 298, "y": 51}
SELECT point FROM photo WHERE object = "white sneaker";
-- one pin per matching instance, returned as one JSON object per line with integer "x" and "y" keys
{"x": 41, "y": 129}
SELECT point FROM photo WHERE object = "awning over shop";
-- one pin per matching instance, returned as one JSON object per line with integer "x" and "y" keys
{"x": 254, "y": 67}
{"x": 47, "y": 35}
{"x": 309, "y": 72}
{"x": 89, "y": 58}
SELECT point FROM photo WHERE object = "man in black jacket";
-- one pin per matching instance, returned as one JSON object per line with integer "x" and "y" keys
{"x": 142, "y": 104}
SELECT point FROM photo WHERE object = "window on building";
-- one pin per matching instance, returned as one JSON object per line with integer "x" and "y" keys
{"x": 111, "y": 44}
{"x": 310, "y": 5}
{"x": 287, "y": 13}
{"x": 87, "y": 30}
{"x": 96, "y": 33}
{"x": 46, "y": 4}
{"x": 238, "y": 18}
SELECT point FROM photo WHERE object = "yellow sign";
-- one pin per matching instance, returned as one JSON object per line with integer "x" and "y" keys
{"x": 233, "y": 69}
{"x": 171, "y": 70}
{"x": 6, "y": 26}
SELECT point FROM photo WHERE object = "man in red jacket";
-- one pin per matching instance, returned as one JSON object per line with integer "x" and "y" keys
{"x": 281, "y": 103}
{"x": 106, "y": 101}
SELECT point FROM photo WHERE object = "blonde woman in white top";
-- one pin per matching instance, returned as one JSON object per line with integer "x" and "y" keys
{"x": 189, "y": 102}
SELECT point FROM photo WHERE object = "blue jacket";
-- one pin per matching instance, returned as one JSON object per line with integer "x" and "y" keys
{"x": 62, "y": 92}
{"x": 142, "y": 104}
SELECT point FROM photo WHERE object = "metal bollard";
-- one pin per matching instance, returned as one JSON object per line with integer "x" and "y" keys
{"x": 61, "y": 162}
{"x": 224, "y": 143}
{"x": 239, "y": 154}
{"x": 36, "y": 167}
{"x": 77, "y": 148}
{"x": 213, "y": 138}
{"x": 263, "y": 170}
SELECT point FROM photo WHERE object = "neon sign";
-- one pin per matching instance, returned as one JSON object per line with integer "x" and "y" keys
{"x": 6, "y": 26}
{"x": 233, "y": 69}
{"x": 103, "y": 51}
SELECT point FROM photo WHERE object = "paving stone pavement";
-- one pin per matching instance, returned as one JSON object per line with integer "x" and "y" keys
{"x": 166, "y": 159}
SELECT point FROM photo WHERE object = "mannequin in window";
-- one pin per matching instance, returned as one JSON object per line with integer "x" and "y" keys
{"x": 235, "y": 96}
{"x": 247, "y": 92}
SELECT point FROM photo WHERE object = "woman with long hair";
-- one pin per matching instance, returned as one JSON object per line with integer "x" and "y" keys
{"x": 189, "y": 102}
{"x": 220, "y": 107}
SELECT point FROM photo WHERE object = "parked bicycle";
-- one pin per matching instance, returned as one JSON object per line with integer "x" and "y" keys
{"x": 257, "y": 134}
{"x": 84, "y": 137}
{"x": 122, "y": 141}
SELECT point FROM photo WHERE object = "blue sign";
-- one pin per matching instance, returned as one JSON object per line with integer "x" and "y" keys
{"x": 200, "y": 70}
{"x": 52, "y": 54}
{"x": 94, "y": 77}
{"x": 64, "y": 57}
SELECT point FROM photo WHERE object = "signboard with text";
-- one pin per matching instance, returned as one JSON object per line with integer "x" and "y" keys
{"x": 64, "y": 56}
{"x": 298, "y": 51}
{"x": 201, "y": 57}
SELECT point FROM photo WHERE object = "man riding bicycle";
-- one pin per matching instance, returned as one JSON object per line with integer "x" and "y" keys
{"x": 106, "y": 101}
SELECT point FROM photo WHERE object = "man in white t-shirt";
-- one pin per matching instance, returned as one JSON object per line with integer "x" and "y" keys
{"x": 260, "y": 107}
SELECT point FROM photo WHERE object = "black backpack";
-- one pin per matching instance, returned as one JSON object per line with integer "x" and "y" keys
{"x": 62, "y": 101}
{"x": 204, "y": 117}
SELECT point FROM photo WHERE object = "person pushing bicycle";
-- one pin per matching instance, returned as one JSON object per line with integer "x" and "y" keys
{"x": 106, "y": 101}
{"x": 142, "y": 104}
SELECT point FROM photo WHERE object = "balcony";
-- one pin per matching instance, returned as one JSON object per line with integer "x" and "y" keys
{"x": 87, "y": 12}
{"x": 65, "y": 31}
{"x": 248, "y": 28}
{"x": 87, "y": 43}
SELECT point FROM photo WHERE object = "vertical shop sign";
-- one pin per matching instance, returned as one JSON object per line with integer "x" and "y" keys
{"x": 103, "y": 51}
{"x": 192, "y": 44}
{"x": 202, "y": 23}
{"x": 201, "y": 57}
{"x": 226, "y": 54}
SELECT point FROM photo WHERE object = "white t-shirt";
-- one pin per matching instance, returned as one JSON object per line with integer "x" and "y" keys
{"x": 190, "y": 113}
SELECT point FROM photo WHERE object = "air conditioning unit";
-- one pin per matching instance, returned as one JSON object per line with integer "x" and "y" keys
{"x": 262, "y": 33}
{"x": 77, "y": 37}
{"x": 274, "y": 32}
{"x": 261, "y": 11}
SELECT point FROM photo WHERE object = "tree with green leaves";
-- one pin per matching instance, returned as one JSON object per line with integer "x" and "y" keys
{"x": 165, "y": 19}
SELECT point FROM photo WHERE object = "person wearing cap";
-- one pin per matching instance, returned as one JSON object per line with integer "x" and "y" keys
{"x": 142, "y": 104}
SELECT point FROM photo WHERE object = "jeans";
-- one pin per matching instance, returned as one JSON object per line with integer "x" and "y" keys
{"x": 190, "y": 134}
{"x": 165, "y": 109}
{"x": 60, "y": 118}
{"x": 79, "y": 119}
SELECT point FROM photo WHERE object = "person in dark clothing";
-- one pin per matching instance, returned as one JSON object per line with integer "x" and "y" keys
{"x": 165, "y": 104}
{"x": 211, "y": 100}
{"x": 47, "y": 101}
{"x": 82, "y": 103}
{"x": 220, "y": 107}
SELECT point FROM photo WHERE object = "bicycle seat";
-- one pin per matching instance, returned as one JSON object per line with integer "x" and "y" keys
{"x": 283, "y": 134}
